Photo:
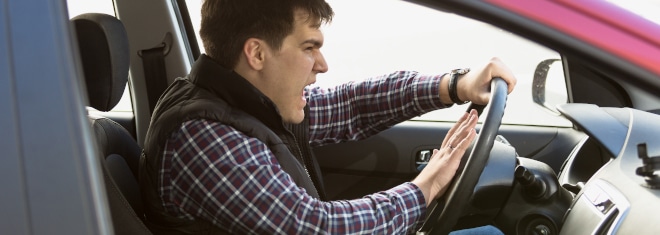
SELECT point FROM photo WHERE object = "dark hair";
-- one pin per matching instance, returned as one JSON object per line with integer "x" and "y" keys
{"x": 227, "y": 24}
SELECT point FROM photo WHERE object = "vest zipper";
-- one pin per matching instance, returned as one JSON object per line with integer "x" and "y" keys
{"x": 306, "y": 162}
{"x": 304, "y": 152}
{"x": 303, "y": 161}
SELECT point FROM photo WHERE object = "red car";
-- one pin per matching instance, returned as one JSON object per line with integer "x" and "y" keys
{"x": 573, "y": 150}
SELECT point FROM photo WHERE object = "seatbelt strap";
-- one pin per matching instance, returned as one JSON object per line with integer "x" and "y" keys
{"x": 155, "y": 74}
{"x": 153, "y": 63}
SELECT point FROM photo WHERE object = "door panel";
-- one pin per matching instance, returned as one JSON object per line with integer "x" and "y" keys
{"x": 354, "y": 169}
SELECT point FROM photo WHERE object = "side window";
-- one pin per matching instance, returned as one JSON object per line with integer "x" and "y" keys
{"x": 360, "y": 44}
{"x": 77, "y": 7}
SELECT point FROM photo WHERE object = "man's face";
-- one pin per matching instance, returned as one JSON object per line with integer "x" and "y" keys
{"x": 288, "y": 71}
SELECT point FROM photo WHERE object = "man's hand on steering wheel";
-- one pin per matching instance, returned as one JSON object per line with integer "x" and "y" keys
{"x": 474, "y": 86}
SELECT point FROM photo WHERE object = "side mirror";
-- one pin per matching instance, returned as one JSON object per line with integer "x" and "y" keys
{"x": 549, "y": 85}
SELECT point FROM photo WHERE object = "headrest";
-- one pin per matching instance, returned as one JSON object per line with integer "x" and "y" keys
{"x": 104, "y": 53}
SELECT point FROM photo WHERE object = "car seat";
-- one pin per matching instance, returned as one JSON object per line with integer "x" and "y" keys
{"x": 104, "y": 54}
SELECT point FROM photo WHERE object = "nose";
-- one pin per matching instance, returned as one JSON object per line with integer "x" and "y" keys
{"x": 320, "y": 66}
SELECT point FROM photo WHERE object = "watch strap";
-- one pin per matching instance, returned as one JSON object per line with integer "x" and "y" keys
{"x": 453, "y": 85}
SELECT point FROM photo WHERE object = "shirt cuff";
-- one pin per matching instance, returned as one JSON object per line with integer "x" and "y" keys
{"x": 416, "y": 193}
{"x": 412, "y": 196}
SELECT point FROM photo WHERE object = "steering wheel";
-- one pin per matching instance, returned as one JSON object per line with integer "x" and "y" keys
{"x": 447, "y": 209}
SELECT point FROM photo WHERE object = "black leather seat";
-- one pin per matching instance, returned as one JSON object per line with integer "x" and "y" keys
{"x": 104, "y": 54}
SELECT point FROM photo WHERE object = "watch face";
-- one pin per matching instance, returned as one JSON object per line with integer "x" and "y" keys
{"x": 461, "y": 71}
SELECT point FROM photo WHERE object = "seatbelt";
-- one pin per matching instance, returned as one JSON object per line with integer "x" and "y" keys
{"x": 155, "y": 74}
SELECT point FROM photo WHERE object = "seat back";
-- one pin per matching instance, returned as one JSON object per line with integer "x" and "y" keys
{"x": 104, "y": 54}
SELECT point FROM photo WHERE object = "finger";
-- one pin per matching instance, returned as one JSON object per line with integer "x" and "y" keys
{"x": 511, "y": 82}
{"x": 462, "y": 146}
{"x": 435, "y": 152}
{"x": 462, "y": 129}
{"x": 471, "y": 120}
{"x": 453, "y": 129}
{"x": 509, "y": 79}
{"x": 501, "y": 70}
{"x": 456, "y": 154}
{"x": 469, "y": 125}
{"x": 457, "y": 132}
{"x": 464, "y": 143}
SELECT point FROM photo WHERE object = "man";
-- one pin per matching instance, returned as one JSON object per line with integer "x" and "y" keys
{"x": 229, "y": 146}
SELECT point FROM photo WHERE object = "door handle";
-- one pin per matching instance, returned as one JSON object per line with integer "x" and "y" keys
{"x": 422, "y": 158}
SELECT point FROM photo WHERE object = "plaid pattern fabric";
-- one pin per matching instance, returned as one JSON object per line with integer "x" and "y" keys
{"x": 213, "y": 172}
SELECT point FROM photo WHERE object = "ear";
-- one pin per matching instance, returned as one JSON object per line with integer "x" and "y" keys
{"x": 254, "y": 50}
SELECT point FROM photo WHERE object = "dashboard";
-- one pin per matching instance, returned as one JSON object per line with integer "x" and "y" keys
{"x": 615, "y": 169}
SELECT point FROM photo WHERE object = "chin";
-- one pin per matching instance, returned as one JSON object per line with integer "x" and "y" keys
{"x": 295, "y": 118}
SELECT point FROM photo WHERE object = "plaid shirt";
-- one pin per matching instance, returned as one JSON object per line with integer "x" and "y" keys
{"x": 214, "y": 172}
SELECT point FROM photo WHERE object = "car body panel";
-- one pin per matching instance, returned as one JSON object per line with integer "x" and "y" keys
{"x": 572, "y": 47}
{"x": 640, "y": 44}
{"x": 11, "y": 173}
{"x": 52, "y": 185}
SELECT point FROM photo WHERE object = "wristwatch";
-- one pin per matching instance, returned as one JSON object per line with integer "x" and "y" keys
{"x": 453, "y": 84}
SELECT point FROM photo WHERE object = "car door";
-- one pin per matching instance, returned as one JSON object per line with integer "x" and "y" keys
{"x": 49, "y": 174}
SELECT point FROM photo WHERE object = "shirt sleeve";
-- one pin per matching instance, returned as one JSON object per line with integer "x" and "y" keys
{"x": 357, "y": 110}
{"x": 213, "y": 172}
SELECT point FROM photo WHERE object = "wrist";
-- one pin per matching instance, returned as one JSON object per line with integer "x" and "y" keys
{"x": 425, "y": 187}
{"x": 444, "y": 90}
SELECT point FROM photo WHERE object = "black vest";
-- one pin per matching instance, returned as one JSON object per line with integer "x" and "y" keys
{"x": 216, "y": 93}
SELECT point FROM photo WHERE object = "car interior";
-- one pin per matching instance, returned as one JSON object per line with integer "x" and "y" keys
{"x": 595, "y": 175}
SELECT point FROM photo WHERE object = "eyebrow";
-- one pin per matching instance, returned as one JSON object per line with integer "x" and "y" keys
{"x": 315, "y": 42}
